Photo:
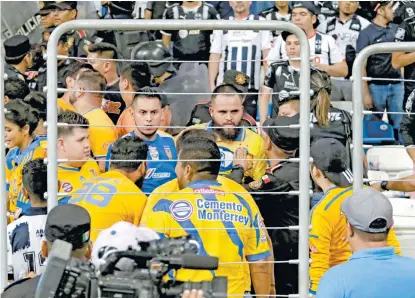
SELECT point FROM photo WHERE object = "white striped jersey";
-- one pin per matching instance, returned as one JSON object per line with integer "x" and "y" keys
{"x": 241, "y": 50}
{"x": 24, "y": 240}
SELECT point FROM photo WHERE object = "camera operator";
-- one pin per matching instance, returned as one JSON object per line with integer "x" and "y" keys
{"x": 69, "y": 223}
{"x": 123, "y": 236}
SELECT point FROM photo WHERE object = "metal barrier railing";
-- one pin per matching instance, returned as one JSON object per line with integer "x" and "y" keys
{"x": 358, "y": 111}
{"x": 304, "y": 196}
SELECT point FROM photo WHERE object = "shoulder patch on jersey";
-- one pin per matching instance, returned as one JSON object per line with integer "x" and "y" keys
{"x": 67, "y": 187}
{"x": 266, "y": 179}
{"x": 400, "y": 33}
{"x": 257, "y": 184}
{"x": 181, "y": 210}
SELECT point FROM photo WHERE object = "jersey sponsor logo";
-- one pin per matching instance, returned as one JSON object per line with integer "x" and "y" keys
{"x": 290, "y": 85}
{"x": 204, "y": 190}
{"x": 286, "y": 75}
{"x": 223, "y": 211}
{"x": 400, "y": 33}
{"x": 410, "y": 12}
{"x": 151, "y": 173}
{"x": 181, "y": 210}
{"x": 40, "y": 233}
{"x": 67, "y": 187}
{"x": 153, "y": 153}
{"x": 226, "y": 157}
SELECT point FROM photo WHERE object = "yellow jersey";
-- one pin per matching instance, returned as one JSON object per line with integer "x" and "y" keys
{"x": 65, "y": 106}
{"x": 327, "y": 237}
{"x": 225, "y": 225}
{"x": 70, "y": 178}
{"x": 109, "y": 198}
{"x": 247, "y": 139}
{"x": 15, "y": 160}
{"x": 102, "y": 132}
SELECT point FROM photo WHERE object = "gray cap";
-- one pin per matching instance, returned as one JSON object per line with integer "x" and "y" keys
{"x": 368, "y": 210}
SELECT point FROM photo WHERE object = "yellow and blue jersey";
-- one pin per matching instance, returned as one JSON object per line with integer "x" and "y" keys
{"x": 327, "y": 239}
{"x": 247, "y": 139}
{"x": 70, "y": 178}
{"x": 109, "y": 198}
{"x": 15, "y": 160}
{"x": 225, "y": 225}
{"x": 159, "y": 171}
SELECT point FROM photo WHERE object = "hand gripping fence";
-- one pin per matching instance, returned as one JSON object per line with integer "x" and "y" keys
{"x": 52, "y": 162}
{"x": 358, "y": 110}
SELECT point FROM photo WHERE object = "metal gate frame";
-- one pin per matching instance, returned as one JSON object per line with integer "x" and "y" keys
{"x": 358, "y": 108}
{"x": 52, "y": 135}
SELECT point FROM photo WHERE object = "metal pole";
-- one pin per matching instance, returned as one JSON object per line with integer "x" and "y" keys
{"x": 3, "y": 193}
{"x": 194, "y": 25}
{"x": 361, "y": 58}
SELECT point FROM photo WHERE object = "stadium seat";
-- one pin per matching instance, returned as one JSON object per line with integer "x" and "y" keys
{"x": 392, "y": 160}
{"x": 377, "y": 176}
{"x": 404, "y": 218}
{"x": 378, "y": 132}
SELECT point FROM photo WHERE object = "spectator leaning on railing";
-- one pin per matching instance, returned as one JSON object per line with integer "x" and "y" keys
{"x": 374, "y": 270}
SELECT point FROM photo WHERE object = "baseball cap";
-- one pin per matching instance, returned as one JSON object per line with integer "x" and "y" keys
{"x": 70, "y": 223}
{"x": 329, "y": 155}
{"x": 285, "y": 34}
{"x": 16, "y": 46}
{"x": 309, "y": 5}
{"x": 121, "y": 236}
{"x": 368, "y": 210}
{"x": 63, "y": 5}
{"x": 283, "y": 137}
{"x": 236, "y": 79}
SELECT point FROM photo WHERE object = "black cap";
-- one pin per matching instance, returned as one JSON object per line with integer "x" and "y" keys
{"x": 236, "y": 79}
{"x": 307, "y": 5}
{"x": 284, "y": 137}
{"x": 285, "y": 34}
{"x": 16, "y": 46}
{"x": 62, "y": 5}
{"x": 70, "y": 223}
{"x": 329, "y": 156}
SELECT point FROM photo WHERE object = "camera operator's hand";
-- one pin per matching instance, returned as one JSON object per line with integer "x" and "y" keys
{"x": 193, "y": 294}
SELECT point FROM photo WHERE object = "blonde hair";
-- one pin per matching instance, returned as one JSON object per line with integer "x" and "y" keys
{"x": 320, "y": 83}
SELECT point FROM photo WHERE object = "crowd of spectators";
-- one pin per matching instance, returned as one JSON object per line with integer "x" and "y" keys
{"x": 228, "y": 163}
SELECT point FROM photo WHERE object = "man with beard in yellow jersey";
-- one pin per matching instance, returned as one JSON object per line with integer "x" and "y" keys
{"x": 73, "y": 146}
{"x": 203, "y": 208}
{"x": 102, "y": 131}
{"x": 21, "y": 123}
{"x": 227, "y": 110}
{"x": 328, "y": 247}
{"x": 114, "y": 195}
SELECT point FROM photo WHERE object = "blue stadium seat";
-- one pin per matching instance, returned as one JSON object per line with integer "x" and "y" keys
{"x": 378, "y": 132}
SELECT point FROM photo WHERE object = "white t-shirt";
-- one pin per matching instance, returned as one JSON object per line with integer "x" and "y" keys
{"x": 344, "y": 33}
{"x": 24, "y": 240}
{"x": 241, "y": 50}
{"x": 329, "y": 51}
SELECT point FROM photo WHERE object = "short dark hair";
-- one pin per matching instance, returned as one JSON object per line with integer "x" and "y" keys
{"x": 228, "y": 90}
{"x": 34, "y": 178}
{"x": 104, "y": 47}
{"x": 73, "y": 119}
{"x": 96, "y": 82}
{"x": 74, "y": 69}
{"x": 150, "y": 92}
{"x": 186, "y": 135}
{"x": 203, "y": 149}
{"x": 137, "y": 73}
{"x": 129, "y": 148}
{"x": 21, "y": 114}
{"x": 15, "y": 88}
{"x": 37, "y": 100}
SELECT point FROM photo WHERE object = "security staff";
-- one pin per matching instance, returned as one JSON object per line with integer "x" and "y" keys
{"x": 18, "y": 57}
{"x": 278, "y": 210}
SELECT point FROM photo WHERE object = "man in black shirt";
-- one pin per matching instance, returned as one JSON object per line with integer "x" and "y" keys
{"x": 379, "y": 94}
{"x": 113, "y": 104}
{"x": 189, "y": 45}
{"x": 279, "y": 12}
{"x": 406, "y": 33}
{"x": 279, "y": 210}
